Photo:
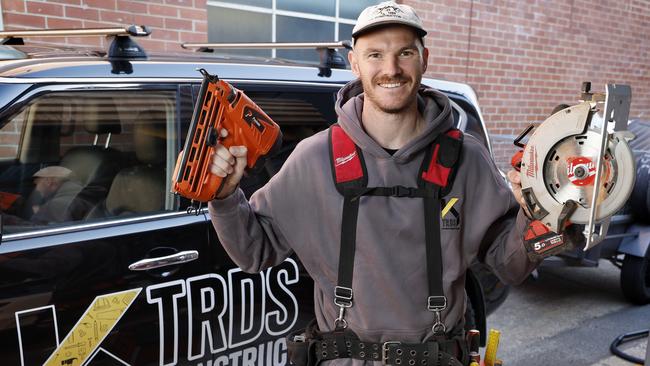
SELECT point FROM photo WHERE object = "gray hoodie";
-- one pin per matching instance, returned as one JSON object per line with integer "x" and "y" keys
{"x": 300, "y": 211}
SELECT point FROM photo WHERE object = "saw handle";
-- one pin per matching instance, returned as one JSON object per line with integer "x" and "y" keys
{"x": 515, "y": 161}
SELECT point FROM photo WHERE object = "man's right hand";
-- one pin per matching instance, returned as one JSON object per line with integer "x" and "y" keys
{"x": 228, "y": 164}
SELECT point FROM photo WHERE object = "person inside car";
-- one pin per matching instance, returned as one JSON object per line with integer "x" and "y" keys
{"x": 388, "y": 278}
{"x": 54, "y": 192}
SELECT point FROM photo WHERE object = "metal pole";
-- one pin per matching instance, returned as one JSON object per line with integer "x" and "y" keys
{"x": 647, "y": 352}
{"x": 604, "y": 138}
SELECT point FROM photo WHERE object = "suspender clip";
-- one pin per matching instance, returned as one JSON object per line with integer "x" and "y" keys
{"x": 342, "y": 299}
{"x": 343, "y": 296}
{"x": 437, "y": 303}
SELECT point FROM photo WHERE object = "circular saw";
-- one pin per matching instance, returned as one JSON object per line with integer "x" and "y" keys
{"x": 577, "y": 168}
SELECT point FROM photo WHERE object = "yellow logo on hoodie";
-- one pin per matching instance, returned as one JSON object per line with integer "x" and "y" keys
{"x": 450, "y": 216}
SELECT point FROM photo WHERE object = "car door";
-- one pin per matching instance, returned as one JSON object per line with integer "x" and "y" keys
{"x": 262, "y": 308}
{"x": 107, "y": 271}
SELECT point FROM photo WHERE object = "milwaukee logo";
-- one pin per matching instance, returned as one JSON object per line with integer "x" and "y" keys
{"x": 345, "y": 159}
{"x": 581, "y": 171}
{"x": 531, "y": 169}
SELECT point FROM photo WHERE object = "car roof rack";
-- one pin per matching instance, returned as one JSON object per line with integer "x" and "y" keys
{"x": 122, "y": 47}
{"x": 329, "y": 57}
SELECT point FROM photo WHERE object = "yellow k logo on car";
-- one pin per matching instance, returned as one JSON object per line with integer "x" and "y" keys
{"x": 91, "y": 329}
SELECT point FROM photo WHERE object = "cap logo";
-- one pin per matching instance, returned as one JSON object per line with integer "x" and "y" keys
{"x": 388, "y": 11}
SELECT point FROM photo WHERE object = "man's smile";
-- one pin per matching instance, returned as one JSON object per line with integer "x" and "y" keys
{"x": 391, "y": 85}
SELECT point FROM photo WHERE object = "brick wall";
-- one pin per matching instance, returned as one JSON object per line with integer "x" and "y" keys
{"x": 522, "y": 56}
{"x": 172, "y": 21}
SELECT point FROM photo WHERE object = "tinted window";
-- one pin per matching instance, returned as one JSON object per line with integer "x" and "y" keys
{"x": 300, "y": 114}
{"x": 87, "y": 156}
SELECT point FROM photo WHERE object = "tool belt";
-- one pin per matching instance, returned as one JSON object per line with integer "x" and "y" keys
{"x": 309, "y": 347}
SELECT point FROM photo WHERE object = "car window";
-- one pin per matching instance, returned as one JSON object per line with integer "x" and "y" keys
{"x": 71, "y": 157}
{"x": 300, "y": 114}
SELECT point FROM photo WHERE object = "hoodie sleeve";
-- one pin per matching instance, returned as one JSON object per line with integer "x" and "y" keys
{"x": 261, "y": 233}
{"x": 248, "y": 232}
{"x": 501, "y": 221}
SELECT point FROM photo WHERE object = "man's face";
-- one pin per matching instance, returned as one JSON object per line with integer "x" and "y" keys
{"x": 390, "y": 67}
{"x": 47, "y": 186}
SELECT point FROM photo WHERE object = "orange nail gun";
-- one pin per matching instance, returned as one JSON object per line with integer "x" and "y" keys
{"x": 218, "y": 106}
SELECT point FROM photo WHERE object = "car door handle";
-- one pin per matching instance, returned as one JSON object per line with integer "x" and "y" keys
{"x": 169, "y": 260}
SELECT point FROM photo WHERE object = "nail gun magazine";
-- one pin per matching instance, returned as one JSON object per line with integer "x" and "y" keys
{"x": 220, "y": 105}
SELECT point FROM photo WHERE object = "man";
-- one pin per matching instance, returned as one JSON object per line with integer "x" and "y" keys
{"x": 393, "y": 120}
{"x": 53, "y": 194}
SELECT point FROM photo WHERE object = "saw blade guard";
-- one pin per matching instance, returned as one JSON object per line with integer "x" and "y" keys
{"x": 559, "y": 168}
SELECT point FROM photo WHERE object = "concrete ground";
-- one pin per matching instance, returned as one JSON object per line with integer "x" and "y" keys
{"x": 568, "y": 316}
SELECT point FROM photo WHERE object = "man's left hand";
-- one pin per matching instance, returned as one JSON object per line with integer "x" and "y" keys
{"x": 515, "y": 180}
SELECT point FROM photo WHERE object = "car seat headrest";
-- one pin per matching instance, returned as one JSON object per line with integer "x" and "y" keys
{"x": 137, "y": 189}
{"x": 149, "y": 137}
{"x": 99, "y": 116}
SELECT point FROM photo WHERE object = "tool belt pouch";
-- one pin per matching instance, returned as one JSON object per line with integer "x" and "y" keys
{"x": 300, "y": 346}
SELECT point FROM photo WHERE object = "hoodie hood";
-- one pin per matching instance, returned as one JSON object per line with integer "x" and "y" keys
{"x": 432, "y": 104}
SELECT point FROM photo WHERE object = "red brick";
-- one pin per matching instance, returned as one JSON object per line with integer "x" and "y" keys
{"x": 68, "y": 2}
{"x": 49, "y": 40}
{"x": 166, "y": 11}
{"x": 164, "y": 34}
{"x": 37, "y": 7}
{"x": 59, "y": 23}
{"x": 6, "y": 151}
{"x": 9, "y": 138}
{"x": 131, "y": 6}
{"x": 101, "y": 4}
{"x": 193, "y": 14}
{"x": 26, "y": 21}
{"x": 178, "y": 24}
{"x": 81, "y": 13}
{"x": 90, "y": 42}
{"x": 152, "y": 45}
{"x": 186, "y": 3}
{"x": 116, "y": 17}
{"x": 17, "y": 6}
{"x": 201, "y": 27}
{"x": 92, "y": 24}
{"x": 149, "y": 20}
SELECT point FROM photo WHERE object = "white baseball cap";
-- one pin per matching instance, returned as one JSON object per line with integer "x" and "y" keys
{"x": 388, "y": 12}
{"x": 53, "y": 171}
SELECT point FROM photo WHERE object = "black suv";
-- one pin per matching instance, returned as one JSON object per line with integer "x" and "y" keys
{"x": 99, "y": 263}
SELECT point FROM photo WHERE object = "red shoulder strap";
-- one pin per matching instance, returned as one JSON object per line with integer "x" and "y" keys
{"x": 346, "y": 159}
{"x": 349, "y": 169}
{"x": 445, "y": 152}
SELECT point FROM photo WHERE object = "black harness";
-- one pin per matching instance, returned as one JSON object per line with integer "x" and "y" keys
{"x": 350, "y": 176}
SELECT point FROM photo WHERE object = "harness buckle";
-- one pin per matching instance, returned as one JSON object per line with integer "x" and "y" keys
{"x": 401, "y": 191}
{"x": 343, "y": 296}
{"x": 437, "y": 303}
{"x": 384, "y": 350}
